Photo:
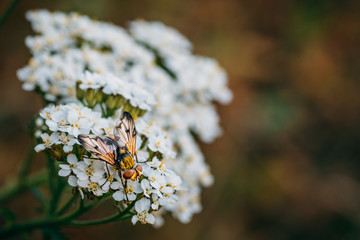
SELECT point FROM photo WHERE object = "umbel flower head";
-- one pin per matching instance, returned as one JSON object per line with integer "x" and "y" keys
{"x": 89, "y": 72}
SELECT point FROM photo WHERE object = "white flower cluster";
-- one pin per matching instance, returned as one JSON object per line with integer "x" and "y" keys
{"x": 110, "y": 85}
{"x": 65, "y": 122}
{"x": 94, "y": 70}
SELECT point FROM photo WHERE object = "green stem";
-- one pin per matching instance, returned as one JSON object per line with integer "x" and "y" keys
{"x": 116, "y": 217}
{"x": 112, "y": 218}
{"x": 51, "y": 221}
{"x": 17, "y": 186}
{"x": 7, "y": 11}
{"x": 67, "y": 205}
{"x": 54, "y": 193}
{"x": 103, "y": 112}
{"x": 26, "y": 226}
{"x": 25, "y": 166}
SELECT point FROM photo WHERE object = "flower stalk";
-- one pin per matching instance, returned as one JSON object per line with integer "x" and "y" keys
{"x": 67, "y": 219}
{"x": 16, "y": 187}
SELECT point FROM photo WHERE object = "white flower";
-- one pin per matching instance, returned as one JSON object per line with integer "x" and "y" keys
{"x": 160, "y": 166}
{"x": 90, "y": 170}
{"x": 66, "y": 169}
{"x": 112, "y": 179}
{"x": 155, "y": 178}
{"x": 48, "y": 141}
{"x": 72, "y": 180}
{"x": 155, "y": 203}
{"x": 149, "y": 32}
{"x": 142, "y": 207}
{"x": 174, "y": 181}
{"x": 148, "y": 189}
{"x": 158, "y": 143}
{"x": 129, "y": 193}
{"x": 168, "y": 196}
{"x": 68, "y": 142}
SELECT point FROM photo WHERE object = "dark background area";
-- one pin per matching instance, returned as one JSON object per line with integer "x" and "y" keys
{"x": 287, "y": 165}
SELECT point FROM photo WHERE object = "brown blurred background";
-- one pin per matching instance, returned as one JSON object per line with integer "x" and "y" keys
{"x": 287, "y": 166}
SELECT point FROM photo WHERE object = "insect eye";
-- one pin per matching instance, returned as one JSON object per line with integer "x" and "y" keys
{"x": 129, "y": 174}
{"x": 138, "y": 169}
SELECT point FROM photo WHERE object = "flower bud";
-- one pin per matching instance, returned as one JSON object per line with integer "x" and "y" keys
{"x": 111, "y": 102}
{"x": 121, "y": 101}
{"x": 141, "y": 112}
{"x": 90, "y": 195}
{"x": 128, "y": 107}
{"x": 75, "y": 191}
{"x": 80, "y": 94}
{"x": 90, "y": 97}
{"x": 56, "y": 153}
{"x": 99, "y": 96}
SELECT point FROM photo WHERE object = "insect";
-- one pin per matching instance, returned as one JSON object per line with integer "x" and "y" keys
{"x": 118, "y": 150}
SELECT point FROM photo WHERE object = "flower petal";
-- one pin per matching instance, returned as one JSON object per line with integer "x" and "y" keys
{"x": 150, "y": 218}
{"x": 71, "y": 158}
{"x": 72, "y": 180}
{"x": 134, "y": 219}
{"x": 64, "y": 166}
{"x": 118, "y": 196}
{"x": 64, "y": 172}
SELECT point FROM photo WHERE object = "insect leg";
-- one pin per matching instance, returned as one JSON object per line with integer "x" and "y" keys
{"x": 137, "y": 160}
{"x": 123, "y": 184}
{"x": 108, "y": 174}
{"x": 93, "y": 158}
{"x": 127, "y": 199}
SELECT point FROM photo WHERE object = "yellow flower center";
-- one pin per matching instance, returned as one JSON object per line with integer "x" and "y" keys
{"x": 93, "y": 186}
{"x": 89, "y": 171}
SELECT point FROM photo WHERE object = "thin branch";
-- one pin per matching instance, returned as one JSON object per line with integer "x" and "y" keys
{"x": 25, "y": 166}
{"x": 116, "y": 217}
{"x": 7, "y": 11}
{"x": 64, "y": 220}
{"x": 67, "y": 205}
{"x": 16, "y": 187}
{"x": 112, "y": 218}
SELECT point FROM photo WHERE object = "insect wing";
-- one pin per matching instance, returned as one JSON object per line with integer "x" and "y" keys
{"x": 103, "y": 147}
{"x": 125, "y": 133}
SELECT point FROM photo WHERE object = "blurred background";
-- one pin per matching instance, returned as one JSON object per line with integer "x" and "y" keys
{"x": 287, "y": 165}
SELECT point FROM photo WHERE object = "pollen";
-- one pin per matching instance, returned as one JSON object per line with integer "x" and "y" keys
{"x": 110, "y": 178}
{"x": 161, "y": 166}
{"x": 62, "y": 122}
{"x": 181, "y": 208}
{"x": 129, "y": 189}
{"x": 93, "y": 186}
{"x": 32, "y": 62}
{"x": 47, "y": 141}
{"x": 32, "y": 78}
{"x": 89, "y": 171}
{"x": 142, "y": 216}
